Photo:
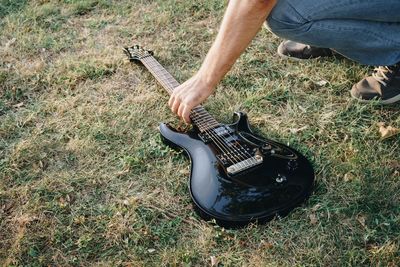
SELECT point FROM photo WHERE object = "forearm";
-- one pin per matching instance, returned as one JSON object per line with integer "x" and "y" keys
{"x": 242, "y": 20}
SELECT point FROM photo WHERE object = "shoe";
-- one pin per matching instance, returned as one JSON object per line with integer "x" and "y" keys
{"x": 383, "y": 86}
{"x": 291, "y": 49}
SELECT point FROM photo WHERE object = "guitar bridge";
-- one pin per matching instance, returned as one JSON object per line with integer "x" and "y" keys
{"x": 244, "y": 165}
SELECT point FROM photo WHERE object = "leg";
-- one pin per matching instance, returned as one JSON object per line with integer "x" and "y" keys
{"x": 365, "y": 31}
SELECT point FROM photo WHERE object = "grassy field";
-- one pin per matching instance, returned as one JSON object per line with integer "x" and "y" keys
{"x": 85, "y": 179}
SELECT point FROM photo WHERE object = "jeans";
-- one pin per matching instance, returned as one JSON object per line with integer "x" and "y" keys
{"x": 367, "y": 31}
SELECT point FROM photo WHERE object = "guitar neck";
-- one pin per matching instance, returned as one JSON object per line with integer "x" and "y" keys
{"x": 167, "y": 81}
{"x": 199, "y": 116}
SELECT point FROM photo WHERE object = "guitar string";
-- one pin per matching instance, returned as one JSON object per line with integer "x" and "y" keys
{"x": 229, "y": 153}
{"x": 164, "y": 74}
{"x": 240, "y": 150}
{"x": 167, "y": 85}
{"x": 169, "y": 80}
{"x": 217, "y": 143}
{"x": 200, "y": 119}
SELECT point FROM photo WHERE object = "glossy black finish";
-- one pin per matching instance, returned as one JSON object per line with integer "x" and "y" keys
{"x": 274, "y": 188}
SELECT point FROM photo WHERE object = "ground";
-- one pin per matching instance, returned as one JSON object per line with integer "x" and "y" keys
{"x": 85, "y": 179}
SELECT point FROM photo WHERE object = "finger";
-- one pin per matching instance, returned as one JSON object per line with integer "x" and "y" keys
{"x": 171, "y": 101}
{"x": 180, "y": 109}
{"x": 186, "y": 114}
{"x": 175, "y": 105}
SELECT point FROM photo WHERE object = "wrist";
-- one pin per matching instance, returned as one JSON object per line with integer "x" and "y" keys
{"x": 207, "y": 78}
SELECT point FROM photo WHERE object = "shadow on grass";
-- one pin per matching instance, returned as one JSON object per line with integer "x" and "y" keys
{"x": 11, "y": 6}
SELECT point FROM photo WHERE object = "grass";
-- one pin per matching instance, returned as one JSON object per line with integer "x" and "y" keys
{"x": 85, "y": 179}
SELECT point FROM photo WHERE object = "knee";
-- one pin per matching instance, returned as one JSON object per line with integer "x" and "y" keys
{"x": 285, "y": 20}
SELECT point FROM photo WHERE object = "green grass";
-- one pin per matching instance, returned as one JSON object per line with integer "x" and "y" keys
{"x": 85, "y": 179}
{"x": 9, "y": 6}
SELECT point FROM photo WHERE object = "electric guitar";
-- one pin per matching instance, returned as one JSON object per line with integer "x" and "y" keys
{"x": 236, "y": 177}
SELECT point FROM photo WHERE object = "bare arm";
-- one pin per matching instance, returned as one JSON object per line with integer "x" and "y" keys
{"x": 241, "y": 22}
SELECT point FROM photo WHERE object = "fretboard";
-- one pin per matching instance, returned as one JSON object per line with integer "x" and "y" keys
{"x": 199, "y": 116}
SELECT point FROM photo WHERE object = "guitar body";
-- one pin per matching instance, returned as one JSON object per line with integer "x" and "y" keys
{"x": 274, "y": 188}
{"x": 236, "y": 176}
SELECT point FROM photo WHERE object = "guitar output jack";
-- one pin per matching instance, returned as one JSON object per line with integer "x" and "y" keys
{"x": 280, "y": 179}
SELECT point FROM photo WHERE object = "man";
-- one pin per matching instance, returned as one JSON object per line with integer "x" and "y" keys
{"x": 367, "y": 31}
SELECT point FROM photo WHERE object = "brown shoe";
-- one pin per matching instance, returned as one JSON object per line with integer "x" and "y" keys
{"x": 291, "y": 49}
{"x": 382, "y": 86}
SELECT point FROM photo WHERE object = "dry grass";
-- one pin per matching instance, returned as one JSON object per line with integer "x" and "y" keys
{"x": 85, "y": 179}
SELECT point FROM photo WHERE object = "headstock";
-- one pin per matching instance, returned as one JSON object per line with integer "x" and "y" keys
{"x": 137, "y": 53}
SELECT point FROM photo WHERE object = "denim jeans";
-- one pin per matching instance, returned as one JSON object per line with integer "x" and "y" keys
{"x": 367, "y": 31}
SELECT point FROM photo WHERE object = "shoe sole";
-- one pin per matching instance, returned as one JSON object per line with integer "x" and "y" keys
{"x": 278, "y": 51}
{"x": 383, "y": 102}
{"x": 296, "y": 59}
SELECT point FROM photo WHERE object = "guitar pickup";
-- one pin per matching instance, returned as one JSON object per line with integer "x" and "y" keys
{"x": 217, "y": 133}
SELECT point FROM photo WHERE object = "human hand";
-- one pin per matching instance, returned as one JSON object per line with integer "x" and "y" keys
{"x": 188, "y": 95}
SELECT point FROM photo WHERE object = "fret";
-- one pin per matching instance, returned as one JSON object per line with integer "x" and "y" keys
{"x": 203, "y": 118}
{"x": 172, "y": 81}
{"x": 206, "y": 120}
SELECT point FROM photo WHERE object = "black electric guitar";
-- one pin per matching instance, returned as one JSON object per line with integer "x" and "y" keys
{"x": 237, "y": 177}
